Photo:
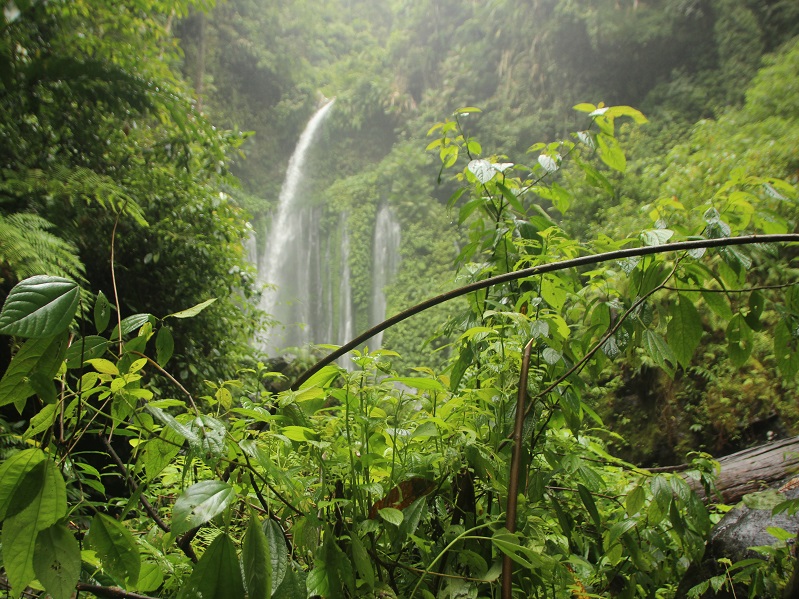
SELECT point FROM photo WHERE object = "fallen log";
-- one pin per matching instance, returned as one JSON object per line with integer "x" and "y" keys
{"x": 750, "y": 470}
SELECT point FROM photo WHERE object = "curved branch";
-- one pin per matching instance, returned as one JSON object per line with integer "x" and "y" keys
{"x": 538, "y": 270}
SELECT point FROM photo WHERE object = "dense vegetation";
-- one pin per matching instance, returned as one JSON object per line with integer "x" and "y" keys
{"x": 493, "y": 449}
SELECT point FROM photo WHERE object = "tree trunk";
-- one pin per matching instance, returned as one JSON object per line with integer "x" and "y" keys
{"x": 751, "y": 469}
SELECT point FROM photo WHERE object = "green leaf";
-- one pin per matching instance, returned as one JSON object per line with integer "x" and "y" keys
{"x": 151, "y": 577}
{"x": 160, "y": 451}
{"x": 659, "y": 351}
{"x": 362, "y": 561}
{"x": 391, "y": 515}
{"x": 102, "y": 312}
{"x": 164, "y": 346}
{"x": 340, "y": 575}
{"x": 13, "y": 473}
{"x": 131, "y": 323}
{"x": 786, "y": 350}
{"x": 718, "y": 303}
{"x": 740, "y": 340}
{"x": 684, "y": 330}
{"x": 256, "y": 561}
{"x": 323, "y": 378}
{"x": 199, "y": 503}
{"x": 293, "y": 586}
{"x": 217, "y": 575}
{"x": 756, "y": 303}
{"x": 420, "y": 383}
{"x": 41, "y": 355}
{"x": 618, "y": 529}
{"x": 116, "y": 549}
{"x": 482, "y": 169}
{"x": 20, "y": 530}
{"x": 635, "y": 500}
{"x": 193, "y": 311}
{"x": 41, "y": 422}
{"x": 40, "y": 306}
{"x": 85, "y": 348}
{"x": 590, "y": 505}
{"x": 610, "y": 152}
{"x": 584, "y": 107}
{"x": 278, "y": 552}
{"x": 56, "y": 561}
{"x": 508, "y": 544}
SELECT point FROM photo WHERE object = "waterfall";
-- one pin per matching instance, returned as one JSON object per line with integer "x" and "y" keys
{"x": 385, "y": 261}
{"x": 292, "y": 254}
{"x": 346, "y": 323}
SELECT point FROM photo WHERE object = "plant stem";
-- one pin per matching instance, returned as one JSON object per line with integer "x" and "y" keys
{"x": 515, "y": 469}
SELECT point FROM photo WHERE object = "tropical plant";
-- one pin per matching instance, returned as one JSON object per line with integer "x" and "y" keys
{"x": 488, "y": 479}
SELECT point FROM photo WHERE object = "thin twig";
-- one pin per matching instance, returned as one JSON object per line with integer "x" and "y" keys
{"x": 537, "y": 270}
{"x": 148, "y": 507}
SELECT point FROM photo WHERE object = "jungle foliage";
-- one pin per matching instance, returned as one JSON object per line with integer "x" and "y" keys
{"x": 144, "y": 448}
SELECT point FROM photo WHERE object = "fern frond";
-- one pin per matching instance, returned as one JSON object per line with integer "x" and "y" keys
{"x": 27, "y": 248}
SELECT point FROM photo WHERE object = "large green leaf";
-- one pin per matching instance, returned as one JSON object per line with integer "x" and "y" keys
{"x": 116, "y": 548}
{"x": 256, "y": 561}
{"x": 340, "y": 574}
{"x": 199, "y": 503}
{"x": 14, "y": 495}
{"x": 41, "y": 356}
{"x": 20, "y": 530}
{"x": 217, "y": 575}
{"x": 293, "y": 586}
{"x": 659, "y": 351}
{"x": 278, "y": 552}
{"x": 56, "y": 561}
{"x": 786, "y": 349}
{"x": 610, "y": 152}
{"x": 40, "y": 306}
{"x": 684, "y": 330}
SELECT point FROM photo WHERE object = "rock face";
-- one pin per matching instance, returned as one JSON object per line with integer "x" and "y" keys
{"x": 742, "y": 527}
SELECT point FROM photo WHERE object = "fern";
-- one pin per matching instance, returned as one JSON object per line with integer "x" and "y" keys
{"x": 27, "y": 248}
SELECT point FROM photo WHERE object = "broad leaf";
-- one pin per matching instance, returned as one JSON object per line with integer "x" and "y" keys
{"x": 256, "y": 561}
{"x": 278, "y": 552}
{"x": 610, "y": 152}
{"x": 786, "y": 350}
{"x": 217, "y": 575}
{"x": 482, "y": 169}
{"x": 85, "y": 348}
{"x": 391, "y": 515}
{"x": 659, "y": 351}
{"x": 20, "y": 530}
{"x": 41, "y": 355}
{"x": 199, "y": 503}
{"x": 116, "y": 548}
{"x": 15, "y": 491}
{"x": 102, "y": 312}
{"x": 40, "y": 306}
{"x": 684, "y": 330}
{"x": 56, "y": 561}
{"x": 164, "y": 346}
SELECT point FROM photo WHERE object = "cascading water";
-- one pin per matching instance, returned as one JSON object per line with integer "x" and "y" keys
{"x": 385, "y": 261}
{"x": 346, "y": 323}
{"x": 290, "y": 262}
